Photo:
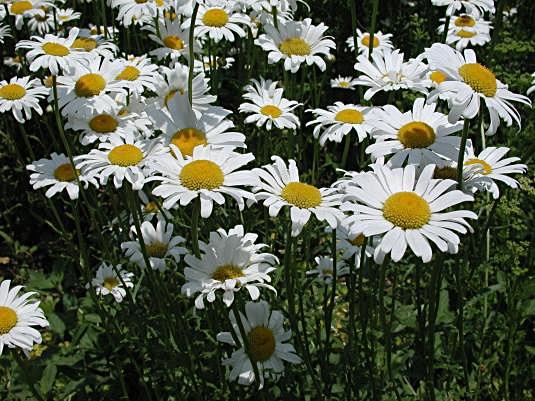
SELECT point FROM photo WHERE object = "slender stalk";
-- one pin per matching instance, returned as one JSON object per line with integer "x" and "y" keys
{"x": 433, "y": 300}
{"x": 372, "y": 27}
{"x": 275, "y": 17}
{"x": 347, "y": 145}
{"x": 195, "y": 227}
{"x": 460, "y": 159}
{"x": 353, "y": 7}
{"x": 446, "y": 28}
{"x": 191, "y": 60}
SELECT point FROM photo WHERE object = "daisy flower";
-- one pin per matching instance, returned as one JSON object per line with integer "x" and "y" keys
{"x": 53, "y": 53}
{"x": 228, "y": 262}
{"x": 122, "y": 157}
{"x": 267, "y": 344}
{"x": 296, "y": 42}
{"x": 58, "y": 174}
{"x": 175, "y": 83}
{"x": 136, "y": 11}
{"x": 532, "y": 88}
{"x": 150, "y": 208}
{"x": 208, "y": 174}
{"x": 112, "y": 280}
{"x": 349, "y": 238}
{"x": 100, "y": 126}
{"x": 17, "y": 316}
{"x": 160, "y": 245}
{"x": 422, "y": 133}
{"x": 406, "y": 211}
{"x": 474, "y": 7}
{"x": 324, "y": 271}
{"x": 218, "y": 19}
{"x": 269, "y": 107}
{"x": 95, "y": 44}
{"x": 338, "y": 120}
{"x": 387, "y": 71}
{"x": 216, "y": 63}
{"x": 465, "y": 30}
{"x": 381, "y": 41}
{"x": 90, "y": 87}
{"x": 344, "y": 83}
{"x": 67, "y": 15}
{"x": 173, "y": 40}
{"x": 21, "y": 8}
{"x": 470, "y": 82}
{"x": 183, "y": 129}
{"x": 138, "y": 74}
{"x": 40, "y": 21}
{"x": 21, "y": 96}
{"x": 280, "y": 186}
{"x": 492, "y": 167}
{"x": 5, "y": 32}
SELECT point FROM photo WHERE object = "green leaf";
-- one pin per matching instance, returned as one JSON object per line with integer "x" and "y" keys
{"x": 56, "y": 324}
{"x": 48, "y": 378}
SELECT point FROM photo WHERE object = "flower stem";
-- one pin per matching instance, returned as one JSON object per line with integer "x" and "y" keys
{"x": 460, "y": 159}
{"x": 446, "y": 28}
{"x": 195, "y": 227}
{"x": 190, "y": 49}
{"x": 347, "y": 145}
{"x": 372, "y": 28}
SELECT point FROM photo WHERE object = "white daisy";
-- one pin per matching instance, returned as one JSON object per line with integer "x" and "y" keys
{"x": 381, "y": 41}
{"x": 280, "y": 186}
{"x": 112, "y": 280}
{"x": 349, "y": 238}
{"x": 183, "y": 129}
{"x": 387, "y": 71}
{"x": 296, "y": 42}
{"x": 138, "y": 74}
{"x": 66, "y": 15}
{"x": 160, "y": 245}
{"x": 53, "y": 53}
{"x": 218, "y": 19}
{"x": 21, "y": 96}
{"x": 5, "y": 32}
{"x": 324, "y": 271}
{"x": 208, "y": 174}
{"x": 531, "y": 88}
{"x": 95, "y": 44}
{"x": 122, "y": 157}
{"x": 100, "y": 126}
{"x": 40, "y": 21}
{"x": 21, "y": 9}
{"x": 267, "y": 344}
{"x": 58, "y": 174}
{"x": 136, "y": 11}
{"x": 269, "y": 107}
{"x": 173, "y": 40}
{"x": 466, "y": 30}
{"x": 150, "y": 208}
{"x": 492, "y": 167}
{"x": 422, "y": 133}
{"x": 470, "y": 82}
{"x": 474, "y": 7}
{"x": 406, "y": 211}
{"x": 90, "y": 88}
{"x": 17, "y": 316}
{"x": 215, "y": 63}
{"x": 339, "y": 120}
{"x": 229, "y": 262}
{"x": 344, "y": 83}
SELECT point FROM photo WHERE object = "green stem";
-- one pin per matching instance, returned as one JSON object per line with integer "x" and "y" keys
{"x": 353, "y": 7}
{"x": 433, "y": 299}
{"x": 372, "y": 28}
{"x": 275, "y": 17}
{"x": 460, "y": 159}
{"x": 446, "y": 28}
{"x": 191, "y": 60}
{"x": 195, "y": 227}
{"x": 347, "y": 145}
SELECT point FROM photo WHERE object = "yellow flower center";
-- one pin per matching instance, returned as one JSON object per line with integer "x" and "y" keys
{"x": 216, "y": 17}
{"x": 129, "y": 73}
{"x": 227, "y": 272}
{"x": 349, "y": 116}
{"x": 486, "y": 168}
{"x": 173, "y": 42}
{"x": 187, "y": 139}
{"x": 301, "y": 195}
{"x": 12, "y": 92}
{"x": 156, "y": 249}
{"x": 86, "y": 44}
{"x": 141, "y": 1}
{"x": 465, "y": 34}
{"x": 438, "y": 77}
{"x": 201, "y": 174}
{"x": 407, "y": 210}
{"x": 55, "y": 49}
{"x": 358, "y": 240}
{"x": 110, "y": 283}
{"x": 103, "y": 124}
{"x": 327, "y": 272}
{"x": 171, "y": 94}
{"x": 48, "y": 81}
{"x": 261, "y": 343}
{"x": 480, "y": 78}
{"x": 89, "y": 85}
{"x": 125, "y": 155}
{"x": 343, "y": 84}
{"x": 20, "y": 7}
{"x": 150, "y": 207}
{"x": 40, "y": 18}
{"x": 295, "y": 47}
{"x": 366, "y": 41}
{"x": 416, "y": 135}
{"x": 64, "y": 172}
{"x": 271, "y": 110}
{"x": 8, "y": 319}
{"x": 445, "y": 173}
{"x": 465, "y": 20}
